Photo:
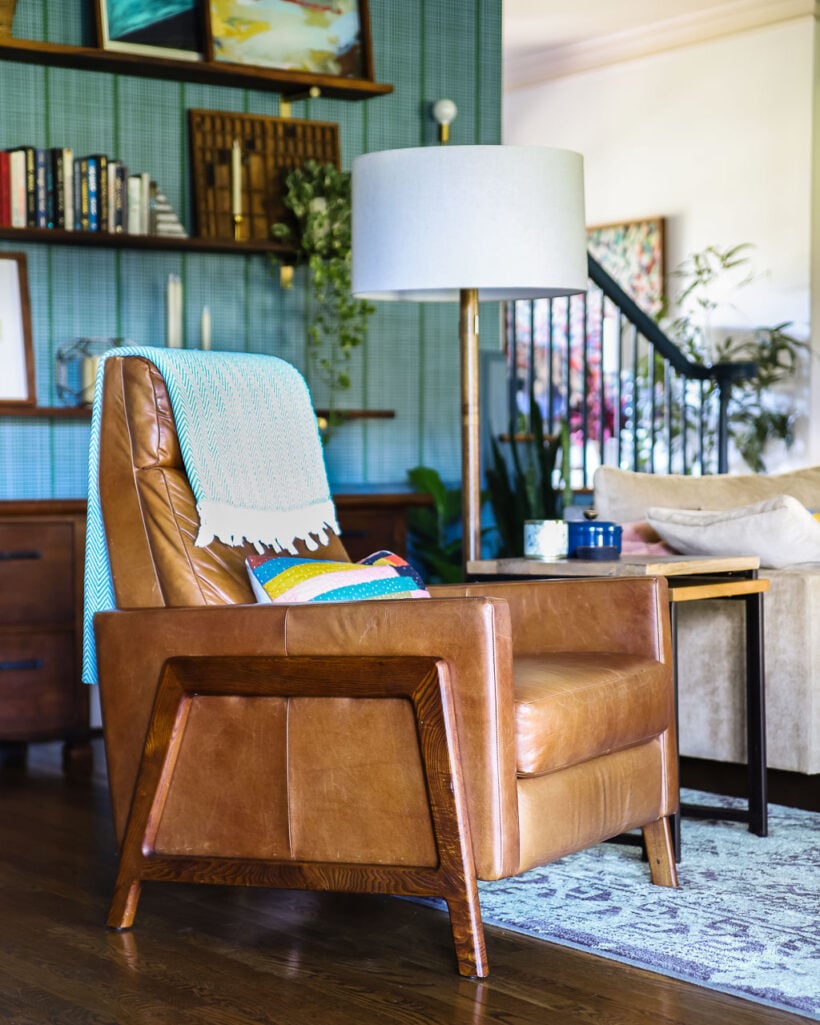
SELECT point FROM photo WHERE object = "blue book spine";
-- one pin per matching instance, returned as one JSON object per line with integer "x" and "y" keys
{"x": 41, "y": 190}
{"x": 93, "y": 194}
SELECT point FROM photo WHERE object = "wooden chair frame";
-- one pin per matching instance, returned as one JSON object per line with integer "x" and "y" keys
{"x": 424, "y": 681}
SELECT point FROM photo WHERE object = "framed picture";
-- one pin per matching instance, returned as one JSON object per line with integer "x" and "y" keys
{"x": 316, "y": 37}
{"x": 16, "y": 353}
{"x": 155, "y": 28}
{"x": 632, "y": 252}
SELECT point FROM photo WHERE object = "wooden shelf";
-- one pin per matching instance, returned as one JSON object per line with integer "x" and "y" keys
{"x": 84, "y": 412}
{"x": 47, "y": 412}
{"x": 291, "y": 84}
{"x": 156, "y": 243}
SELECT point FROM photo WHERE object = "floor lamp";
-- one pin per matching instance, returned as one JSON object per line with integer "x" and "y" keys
{"x": 468, "y": 224}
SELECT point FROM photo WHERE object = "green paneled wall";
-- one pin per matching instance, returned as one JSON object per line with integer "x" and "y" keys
{"x": 426, "y": 49}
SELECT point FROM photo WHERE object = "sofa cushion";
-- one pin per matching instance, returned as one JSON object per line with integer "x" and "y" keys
{"x": 622, "y": 495}
{"x": 780, "y": 530}
{"x": 571, "y": 707}
{"x": 284, "y": 580}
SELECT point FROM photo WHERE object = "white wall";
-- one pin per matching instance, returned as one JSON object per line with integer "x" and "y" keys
{"x": 715, "y": 137}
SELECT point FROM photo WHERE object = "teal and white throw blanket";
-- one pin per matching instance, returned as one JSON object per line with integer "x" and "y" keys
{"x": 251, "y": 448}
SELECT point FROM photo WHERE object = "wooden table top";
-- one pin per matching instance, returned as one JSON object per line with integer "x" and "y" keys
{"x": 626, "y": 566}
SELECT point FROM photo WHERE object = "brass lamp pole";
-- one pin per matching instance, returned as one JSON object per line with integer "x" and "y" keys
{"x": 470, "y": 427}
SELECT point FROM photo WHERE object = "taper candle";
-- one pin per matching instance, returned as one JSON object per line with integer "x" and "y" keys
{"x": 236, "y": 179}
{"x": 173, "y": 312}
{"x": 205, "y": 329}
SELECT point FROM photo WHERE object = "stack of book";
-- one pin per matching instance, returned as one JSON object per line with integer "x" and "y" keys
{"x": 51, "y": 188}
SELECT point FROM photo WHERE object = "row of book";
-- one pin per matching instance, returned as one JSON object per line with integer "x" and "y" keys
{"x": 51, "y": 188}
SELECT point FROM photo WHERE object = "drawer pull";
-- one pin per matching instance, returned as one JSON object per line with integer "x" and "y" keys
{"x": 9, "y": 556}
{"x": 23, "y": 663}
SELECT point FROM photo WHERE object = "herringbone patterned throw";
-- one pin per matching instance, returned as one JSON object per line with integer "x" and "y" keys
{"x": 252, "y": 452}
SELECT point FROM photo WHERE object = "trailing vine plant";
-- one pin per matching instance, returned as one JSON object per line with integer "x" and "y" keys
{"x": 318, "y": 196}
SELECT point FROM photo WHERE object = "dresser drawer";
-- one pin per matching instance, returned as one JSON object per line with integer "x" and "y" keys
{"x": 37, "y": 573}
{"x": 366, "y": 531}
{"x": 37, "y": 684}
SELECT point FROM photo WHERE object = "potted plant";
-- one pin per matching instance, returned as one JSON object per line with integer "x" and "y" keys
{"x": 522, "y": 485}
{"x": 757, "y": 414}
{"x": 318, "y": 196}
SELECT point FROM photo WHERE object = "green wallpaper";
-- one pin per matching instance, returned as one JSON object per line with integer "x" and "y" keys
{"x": 426, "y": 49}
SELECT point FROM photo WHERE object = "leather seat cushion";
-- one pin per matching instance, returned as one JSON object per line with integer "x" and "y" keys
{"x": 571, "y": 707}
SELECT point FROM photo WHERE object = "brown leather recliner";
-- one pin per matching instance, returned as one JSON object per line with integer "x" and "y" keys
{"x": 386, "y": 746}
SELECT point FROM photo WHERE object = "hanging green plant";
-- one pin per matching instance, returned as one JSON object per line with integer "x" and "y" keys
{"x": 318, "y": 195}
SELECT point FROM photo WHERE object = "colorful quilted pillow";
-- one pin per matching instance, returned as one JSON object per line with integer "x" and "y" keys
{"x": 283, "y": 579}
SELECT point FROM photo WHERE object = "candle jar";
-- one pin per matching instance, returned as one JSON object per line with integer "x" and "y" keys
{"x": 76, "y": 365}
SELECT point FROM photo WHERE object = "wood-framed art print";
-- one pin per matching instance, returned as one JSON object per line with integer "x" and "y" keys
{"x": 17, "y": 387}
{"x": 153, "y": 28}
{"x": 633, "y": 253}
{"x": 325, "y": 38}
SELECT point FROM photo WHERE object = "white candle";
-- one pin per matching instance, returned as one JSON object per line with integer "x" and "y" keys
{"x": 89, "y": 378}
{"x": 205, "y": 329}
{"x": 173, "y": 312}
{"x": 169, "y": 311}
{"x": 236, "y": 179}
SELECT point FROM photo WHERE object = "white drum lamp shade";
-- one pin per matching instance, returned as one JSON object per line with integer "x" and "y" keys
{"x": 468, "y": 224}
{"x": 506, "y": 220}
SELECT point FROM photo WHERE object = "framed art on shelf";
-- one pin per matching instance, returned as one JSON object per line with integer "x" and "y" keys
{"x": 16, "y": 352}
{"x": 632, "y": 252}
{"x": 325, "y": 38}
{"x": 153, "y": 28}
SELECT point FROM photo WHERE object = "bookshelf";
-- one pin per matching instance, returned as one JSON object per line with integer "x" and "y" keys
{"x": 155, "y": 243}
{"x": 290, "y": 84}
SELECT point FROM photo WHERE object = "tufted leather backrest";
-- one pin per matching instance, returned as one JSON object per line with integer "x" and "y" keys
{"x": 143, "y": 483}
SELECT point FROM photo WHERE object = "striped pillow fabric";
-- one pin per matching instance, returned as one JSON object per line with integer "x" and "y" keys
{"x": 285, "y": 579}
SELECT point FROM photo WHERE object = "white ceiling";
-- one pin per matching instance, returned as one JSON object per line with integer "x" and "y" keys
{"x": 544, "y": 39}
{"x": 530, "y": 25}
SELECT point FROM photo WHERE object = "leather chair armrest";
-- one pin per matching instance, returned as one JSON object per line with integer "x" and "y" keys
{"x": 623, "y": 614}
{"x": 471, "y": 634}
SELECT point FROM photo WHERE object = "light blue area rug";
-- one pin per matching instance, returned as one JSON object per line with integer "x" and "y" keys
{"x": 745, "y": 920}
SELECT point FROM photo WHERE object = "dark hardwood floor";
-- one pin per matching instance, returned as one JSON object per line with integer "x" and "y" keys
{"x": 222, "y": 956}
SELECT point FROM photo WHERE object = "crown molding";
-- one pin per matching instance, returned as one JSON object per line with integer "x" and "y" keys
{"x": 530, "y": 68}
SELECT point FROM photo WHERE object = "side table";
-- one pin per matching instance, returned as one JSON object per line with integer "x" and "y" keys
{"x": 689, "y": 578}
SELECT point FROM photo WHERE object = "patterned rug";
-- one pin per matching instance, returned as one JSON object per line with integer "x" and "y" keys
{"x": 745, "y": 920}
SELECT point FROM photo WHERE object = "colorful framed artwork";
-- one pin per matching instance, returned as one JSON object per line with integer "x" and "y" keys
{"x": 314, "y": 37}
{"x": 154, "y": 28}
{"x": 633, "y": 253}
{"x": 16, "y": 352}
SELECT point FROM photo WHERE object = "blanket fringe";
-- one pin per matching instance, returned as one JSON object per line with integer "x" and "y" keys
{"x": 233, "y": 526}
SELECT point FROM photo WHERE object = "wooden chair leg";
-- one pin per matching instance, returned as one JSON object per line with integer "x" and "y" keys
{"x": 123, "y": 907}
{"x": 468, "y": 935}
{"x": 660, "y": 852}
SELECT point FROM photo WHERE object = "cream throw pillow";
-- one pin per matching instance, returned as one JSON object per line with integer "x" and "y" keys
{"x": 624, "y": 496}
{"x": 779, "y": 530}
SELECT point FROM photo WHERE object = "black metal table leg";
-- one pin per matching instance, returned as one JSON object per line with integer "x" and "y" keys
{"x": 756, "y": 810}
{"x": 756, "y": 717}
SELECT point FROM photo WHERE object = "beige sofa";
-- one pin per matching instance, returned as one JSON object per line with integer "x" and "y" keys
{"x": 711, "y": 634}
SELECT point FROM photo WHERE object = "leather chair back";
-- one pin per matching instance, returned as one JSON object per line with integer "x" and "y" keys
{"x": 143, "y": 484}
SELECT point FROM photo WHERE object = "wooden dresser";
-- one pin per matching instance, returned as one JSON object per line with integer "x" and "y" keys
{"x": 41, "y": 587}
{"x": 374, "y": 520}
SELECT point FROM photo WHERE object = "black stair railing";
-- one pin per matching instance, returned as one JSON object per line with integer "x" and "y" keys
{"x": 631, "y": 397}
